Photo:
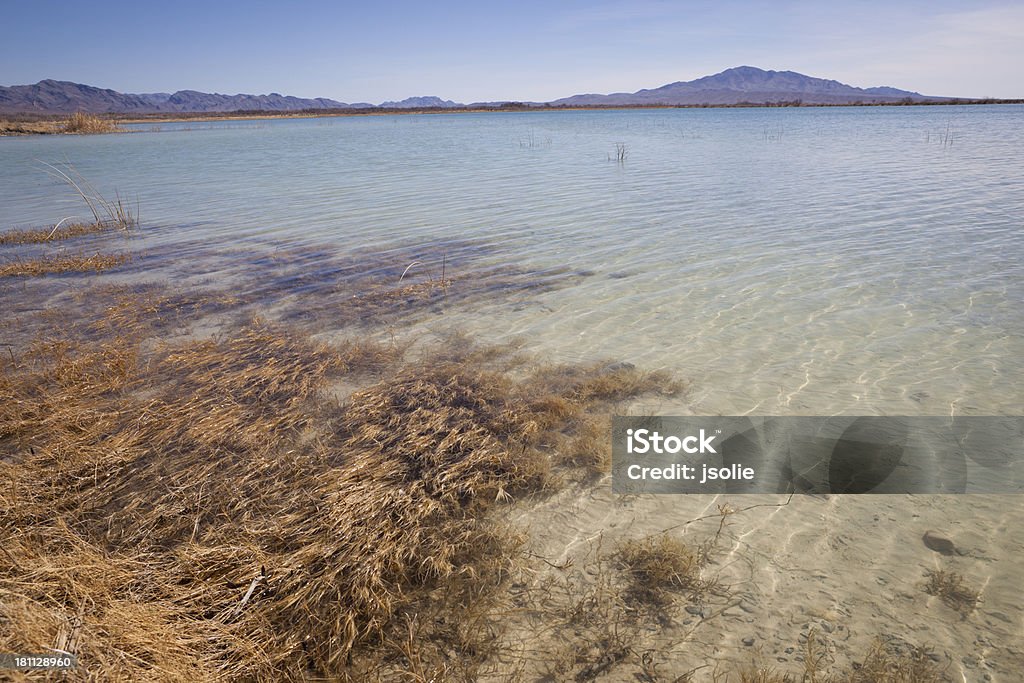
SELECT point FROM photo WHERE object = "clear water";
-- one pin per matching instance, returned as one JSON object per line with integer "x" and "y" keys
{"x": 789, "y": 261}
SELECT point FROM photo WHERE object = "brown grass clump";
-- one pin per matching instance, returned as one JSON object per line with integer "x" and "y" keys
{"x": 83, "y": 123}
{"x": 890, "y": 660}
{"x": 660, "y": 565}
{"x": 58, "y": 232}
{"x": 562, "y": 392}
{"x": 49, "y": 265}
{"x": 206, "y": 510}
{"x": 950, "y": 587}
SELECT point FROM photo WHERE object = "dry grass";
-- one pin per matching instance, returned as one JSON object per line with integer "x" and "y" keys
{"x": 8, "y": 127}
{"x": 660, "y": 565}
{"x": 206, "y": 510}
{"x": 58, "y": 232}
{"x": 894, "y": 661}
{"x": 950, "y": 587}
{"x": 88, "y": 124}
{"x": 49, "y": 265}
{"x": 108, "y": 212}
{"x": 77, "y": 123}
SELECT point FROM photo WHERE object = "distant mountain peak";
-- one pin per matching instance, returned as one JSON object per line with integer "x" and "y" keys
{"x": 423, "y": 102}
{"x": 748, "y": 84}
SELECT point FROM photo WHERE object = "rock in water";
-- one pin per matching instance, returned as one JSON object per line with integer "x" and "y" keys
{"x": 939, "y": 544}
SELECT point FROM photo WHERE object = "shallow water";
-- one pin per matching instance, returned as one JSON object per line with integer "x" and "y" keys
{"x": 789, "y": 261}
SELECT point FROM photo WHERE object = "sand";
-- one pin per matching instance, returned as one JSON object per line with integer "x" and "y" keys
{"x": 852, "y": 568}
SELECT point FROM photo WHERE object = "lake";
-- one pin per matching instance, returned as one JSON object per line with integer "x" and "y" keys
{"x": 848, "y": 260}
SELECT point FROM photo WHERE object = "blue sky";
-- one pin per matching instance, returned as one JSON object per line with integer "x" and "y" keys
{"x": 526, "y": 50}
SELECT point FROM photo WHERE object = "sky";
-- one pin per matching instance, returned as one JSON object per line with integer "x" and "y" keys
{"x": 529, "y": 50}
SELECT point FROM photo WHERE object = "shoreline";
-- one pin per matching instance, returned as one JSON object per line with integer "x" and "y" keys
{"x": 20, "y": 123}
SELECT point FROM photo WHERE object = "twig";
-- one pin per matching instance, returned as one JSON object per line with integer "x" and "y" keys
{"x": 52, "y": 232}
{"x": 731, "y": 512}
{"x": 70, "y": 181}
{"x": 414, "y": 263}
{"x": 248, "y": 594}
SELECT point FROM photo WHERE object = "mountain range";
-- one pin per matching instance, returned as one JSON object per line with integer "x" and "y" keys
{"x": 748, "y": 84}
{"x": 744, "y": 84}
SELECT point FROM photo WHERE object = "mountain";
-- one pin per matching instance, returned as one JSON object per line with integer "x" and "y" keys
{"x": 748, "y": 84}
{"x": 886, "y": 91}
{"x": 421, "y": 103}
{"x": 64, "y": 97}
{"x": 743, "y": 84}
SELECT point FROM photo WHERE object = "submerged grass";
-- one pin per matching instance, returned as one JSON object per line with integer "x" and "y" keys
{"x": 949, "y": 586}
{"x": 107, "y": 214}
{"x": 58, "y": 232}
{"x": 661, "y": 565}
{"x": 208, "y": 510}
{"x": 887, "y": 660}
{"x": 49, "y": 265}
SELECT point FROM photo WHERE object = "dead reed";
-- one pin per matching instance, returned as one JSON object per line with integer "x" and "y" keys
{"x": 108, "y": 212}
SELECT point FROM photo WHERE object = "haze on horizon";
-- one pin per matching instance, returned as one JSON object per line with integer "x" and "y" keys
{"x": 528, "y": 50}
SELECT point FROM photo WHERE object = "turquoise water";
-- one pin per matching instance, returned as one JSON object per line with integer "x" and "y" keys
{"x": 789, "y": 261}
